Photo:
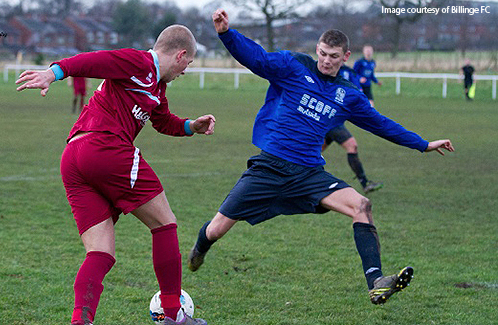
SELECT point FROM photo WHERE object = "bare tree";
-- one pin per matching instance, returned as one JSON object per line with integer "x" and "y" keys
{"x": 272, "y": 10}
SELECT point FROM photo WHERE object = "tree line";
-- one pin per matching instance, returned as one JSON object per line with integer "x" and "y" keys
{"x": 289, "y": 24}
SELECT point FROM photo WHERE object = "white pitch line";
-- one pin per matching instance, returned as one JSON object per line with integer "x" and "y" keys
{"x": 28, "y": 178}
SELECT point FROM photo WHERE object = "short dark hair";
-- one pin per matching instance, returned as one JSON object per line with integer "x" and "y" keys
{"x": 335, "y": 37}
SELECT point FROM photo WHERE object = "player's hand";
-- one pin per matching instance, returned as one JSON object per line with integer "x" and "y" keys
{"x": 220, "y": 20}
{"x": 438, "y": 145}
{"x": 203, "y": 125}
{"x": 363, "y": 80}
{"x": 379, "y": 83}
{"x": 36, "y": 80}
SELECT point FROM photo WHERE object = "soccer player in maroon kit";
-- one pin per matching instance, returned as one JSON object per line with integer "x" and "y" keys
{"x": 79, "y": 91}
{"x": 104, "y": 173}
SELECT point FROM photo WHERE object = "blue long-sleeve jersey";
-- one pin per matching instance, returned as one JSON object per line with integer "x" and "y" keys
{"x": 366, "y": 68}
{"x": 351, "y": 75}
{"x": 302, "y": 104}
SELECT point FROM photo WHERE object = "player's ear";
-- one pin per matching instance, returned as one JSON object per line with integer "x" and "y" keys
{"x": 346, "y": 55}
{"x": 181, "y": 55}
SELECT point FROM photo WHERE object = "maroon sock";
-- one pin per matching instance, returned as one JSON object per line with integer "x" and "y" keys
{"x": 168, "y": 267}
{"x": 88, "y": 286}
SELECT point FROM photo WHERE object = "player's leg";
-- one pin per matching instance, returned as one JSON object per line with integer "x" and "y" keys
{"x": 367, "y": 90}
{"x": 158, "y": 216}
{"x": 99, "y": 244}
{"x": 82, "y": 102}
{"x": 467, "y": 85}
{"x": 351, "y": 147}
{"x": 249, "y": 200}
{"x": 329, "y": 138}
{"x": 75, "y": 101}
{"x": 209, "y": 233}
{"x": 94, "y": 218}
{"x": 349, "y": 202}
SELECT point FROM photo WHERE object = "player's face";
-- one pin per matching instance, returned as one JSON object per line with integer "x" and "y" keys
{"x": 330, "y": 59}
{"x": 182, "y": 62}
{"x": 368, "y": 52}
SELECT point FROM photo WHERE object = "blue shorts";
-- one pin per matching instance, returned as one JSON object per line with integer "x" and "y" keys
{"x": 272, "y": 186}
{"x": 339, "y": 134}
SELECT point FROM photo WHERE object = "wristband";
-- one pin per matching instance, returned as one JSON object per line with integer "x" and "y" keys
{"x": 57, "y": 70}
{"x": 188, "y": 131}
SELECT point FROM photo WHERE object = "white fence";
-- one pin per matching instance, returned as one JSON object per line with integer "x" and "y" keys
{"x": 237, "y": 72}
{"x": 18, "y": 68}
{"x": 443, "y": 76}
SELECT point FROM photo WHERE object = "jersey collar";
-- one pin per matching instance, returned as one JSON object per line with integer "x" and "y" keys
{"x": 156, "y": 63}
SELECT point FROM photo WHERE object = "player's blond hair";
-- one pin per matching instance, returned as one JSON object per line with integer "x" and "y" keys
{"x": 174, "y": 38}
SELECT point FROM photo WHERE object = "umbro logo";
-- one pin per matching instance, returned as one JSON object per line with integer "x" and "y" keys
{"x": 309, "y": 79}
{"x": 333, "y": 185}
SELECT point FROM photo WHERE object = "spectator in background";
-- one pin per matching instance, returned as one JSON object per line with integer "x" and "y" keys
{"x": 468, "y": 81}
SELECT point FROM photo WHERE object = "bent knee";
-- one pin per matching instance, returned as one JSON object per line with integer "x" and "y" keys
{"x": 219, "y": 226}
{"x": 350, "y": 145}
{"x": 363, "y": 211}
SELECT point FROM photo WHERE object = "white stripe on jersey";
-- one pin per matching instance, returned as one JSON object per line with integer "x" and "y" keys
{"x": 138, "y": 82}
{"x": 134, "y": 168}
{"x": 154, "y": 98}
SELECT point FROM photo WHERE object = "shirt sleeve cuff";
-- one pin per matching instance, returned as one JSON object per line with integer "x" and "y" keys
{"x": 187, "y": 127}
{"x": 57, "y": 70}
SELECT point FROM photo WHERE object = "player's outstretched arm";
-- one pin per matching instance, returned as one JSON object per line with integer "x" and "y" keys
{"x": 203, "y": 125}
{"x": 438, "y": 145}
{"x": 220, "y": 20}
{"x": 36, "y": 80}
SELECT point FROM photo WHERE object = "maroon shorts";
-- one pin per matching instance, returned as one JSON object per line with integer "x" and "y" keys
{"x": 105, "y": 176}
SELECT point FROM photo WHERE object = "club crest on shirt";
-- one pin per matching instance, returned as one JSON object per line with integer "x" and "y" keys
{"x": 340, "y": 93}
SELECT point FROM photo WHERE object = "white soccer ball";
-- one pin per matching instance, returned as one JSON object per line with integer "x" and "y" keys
{"x": 157, "y": 313}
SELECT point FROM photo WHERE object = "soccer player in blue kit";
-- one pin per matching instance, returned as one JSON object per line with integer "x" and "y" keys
{"x": 346, "y": 140}
{"x": 305, "y": 99}
{"x": 365, "y": 67}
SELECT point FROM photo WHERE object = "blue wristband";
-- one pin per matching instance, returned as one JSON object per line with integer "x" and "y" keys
{"x": 57, "y": 70}
{"x": 187, "y": 128}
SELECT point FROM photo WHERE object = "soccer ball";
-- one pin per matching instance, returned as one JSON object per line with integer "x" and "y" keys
{"x": 157, "y": 313}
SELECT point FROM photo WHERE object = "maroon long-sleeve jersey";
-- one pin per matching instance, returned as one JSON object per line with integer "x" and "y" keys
{"x": 130, "y": 95}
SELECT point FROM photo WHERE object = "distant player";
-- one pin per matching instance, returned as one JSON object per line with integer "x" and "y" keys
{"x": 79, "y": 85}
{"x": 304, "y": 101}
{"x": 345, "y": 139}
{"x": 365, "y": 67}
{"x": 105, "y": 174}
{"x": 468, "y": 78}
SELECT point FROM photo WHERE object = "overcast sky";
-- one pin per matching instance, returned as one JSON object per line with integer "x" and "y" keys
{"x": 190, "y": 3}
{"x": 180, "y": 3}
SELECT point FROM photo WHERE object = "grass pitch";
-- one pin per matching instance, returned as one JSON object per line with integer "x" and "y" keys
{"x": 437, "y": 214}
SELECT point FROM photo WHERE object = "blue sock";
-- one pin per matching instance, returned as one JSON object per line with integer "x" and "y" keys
{"x": 368, "y": 246}
{"x": 203, "y": 243}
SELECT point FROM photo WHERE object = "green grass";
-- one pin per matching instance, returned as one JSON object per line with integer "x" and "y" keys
{"x": 435, "y": 213}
